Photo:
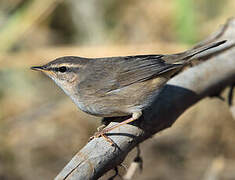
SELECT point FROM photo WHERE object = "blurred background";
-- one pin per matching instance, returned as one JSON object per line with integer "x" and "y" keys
{"x": 41, "y": 129}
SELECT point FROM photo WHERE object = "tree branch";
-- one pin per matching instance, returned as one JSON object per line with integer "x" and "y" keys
{"x": 182, "y": 91}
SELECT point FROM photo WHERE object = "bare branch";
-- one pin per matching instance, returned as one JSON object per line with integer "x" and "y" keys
{"x": 182, "y": 91}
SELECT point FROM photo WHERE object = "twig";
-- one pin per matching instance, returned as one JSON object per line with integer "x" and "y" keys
{"x": 136, "y": 164}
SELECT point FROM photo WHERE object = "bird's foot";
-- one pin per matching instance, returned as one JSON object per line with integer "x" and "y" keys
{"x": 102, "y": 133}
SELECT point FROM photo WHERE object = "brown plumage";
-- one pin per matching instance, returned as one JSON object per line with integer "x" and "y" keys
{"x": 117, "y": 86}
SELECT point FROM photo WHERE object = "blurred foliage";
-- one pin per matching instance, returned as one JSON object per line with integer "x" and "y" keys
{"x": 41, "y": 129}
{"x": 185, "y": 21}
{"x": 102, "y": 22}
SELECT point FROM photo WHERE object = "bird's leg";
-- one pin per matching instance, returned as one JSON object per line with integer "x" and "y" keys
{"x": 102, "y": 133}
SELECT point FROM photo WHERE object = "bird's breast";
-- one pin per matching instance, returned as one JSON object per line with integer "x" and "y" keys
{"x": 121, "y": 101}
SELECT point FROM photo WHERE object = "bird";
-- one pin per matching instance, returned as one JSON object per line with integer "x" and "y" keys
{"x": 117, "y": 86}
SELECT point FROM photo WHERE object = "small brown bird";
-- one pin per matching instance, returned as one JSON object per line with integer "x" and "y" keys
{"x": 116, "y": 86}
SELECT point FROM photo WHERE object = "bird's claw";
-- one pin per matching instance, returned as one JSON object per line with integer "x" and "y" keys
{"x": 102, "y": 134}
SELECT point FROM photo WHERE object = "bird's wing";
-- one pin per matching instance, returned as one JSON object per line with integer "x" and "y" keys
{"x": 124, "y": 71}
{"x": 116, "y": 72}
{"x": 140, "y": 68}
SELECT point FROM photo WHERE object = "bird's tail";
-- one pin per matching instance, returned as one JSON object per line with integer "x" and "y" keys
{"x": 190, "y": 54}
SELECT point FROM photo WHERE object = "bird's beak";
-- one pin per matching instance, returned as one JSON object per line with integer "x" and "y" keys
{"x": 43, "y": 69}
{"x": 38, "y": 68}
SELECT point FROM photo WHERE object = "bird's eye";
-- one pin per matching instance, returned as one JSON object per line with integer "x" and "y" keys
{"x": 62, "y": 69}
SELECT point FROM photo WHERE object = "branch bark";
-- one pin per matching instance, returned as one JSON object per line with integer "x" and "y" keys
{"x": 182, "y": 91}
